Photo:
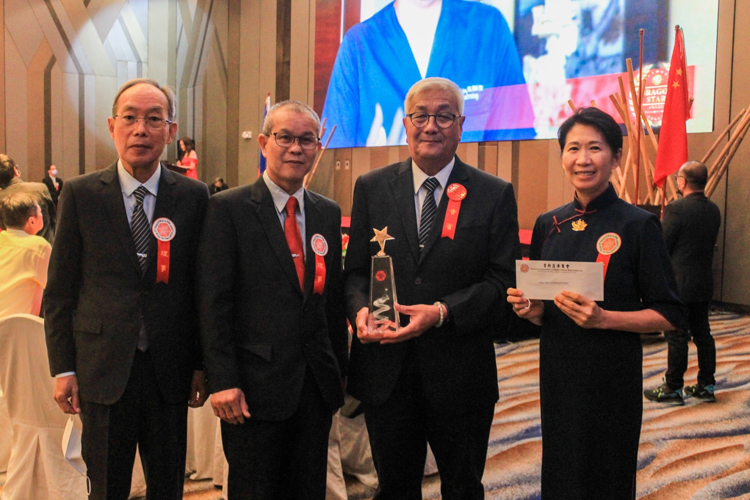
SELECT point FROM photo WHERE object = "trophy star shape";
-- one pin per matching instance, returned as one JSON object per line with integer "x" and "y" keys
{"x": 381, "y": 236}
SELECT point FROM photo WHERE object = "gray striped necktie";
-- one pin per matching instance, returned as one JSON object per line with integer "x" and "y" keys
{"x": 429, "y": 209}
{"x": 140, "y": 228}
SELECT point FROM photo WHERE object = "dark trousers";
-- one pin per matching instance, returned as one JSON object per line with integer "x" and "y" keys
{"x": 141, "y": 417}
{"x": 700, "y": 331}
{"x": 281, "y": 459}
{"x": 399, "y": 432}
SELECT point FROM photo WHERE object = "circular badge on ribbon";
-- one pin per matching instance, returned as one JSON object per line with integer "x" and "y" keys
{"x": 609, "y": 243}
{"x": 164, "y": 229}
{"x": 319, "y": 245}
{"x": 456, "y": 192}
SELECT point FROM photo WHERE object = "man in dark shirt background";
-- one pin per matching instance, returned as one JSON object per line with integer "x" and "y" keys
{"x": 690, "y": 227}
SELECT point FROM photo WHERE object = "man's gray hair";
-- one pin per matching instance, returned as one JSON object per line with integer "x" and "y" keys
{"x": 434, "y": 83}
{"x": 166, "y": 90}
{"x": 292, "y": 105}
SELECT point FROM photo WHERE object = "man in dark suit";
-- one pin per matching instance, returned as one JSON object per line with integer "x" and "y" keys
{"x": 54, "y": 183}
{"x": 690, "y": 226}
{"x": 11, "y": 182}
{"x": 273, "y": 325}
{"x": 455, "y": 240}
{"x": 120, "y": 312}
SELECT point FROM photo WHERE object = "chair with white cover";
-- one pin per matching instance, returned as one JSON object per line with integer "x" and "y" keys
{"x": 37, "y": 468}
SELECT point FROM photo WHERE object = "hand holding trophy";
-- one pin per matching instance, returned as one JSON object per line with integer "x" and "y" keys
{"x": 383, "y": 316}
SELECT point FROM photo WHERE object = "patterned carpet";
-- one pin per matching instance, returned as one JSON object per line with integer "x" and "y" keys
{"x": 698, "y": 451}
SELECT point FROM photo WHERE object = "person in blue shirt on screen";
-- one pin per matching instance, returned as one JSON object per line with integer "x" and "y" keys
{"x": 382, "y": 57}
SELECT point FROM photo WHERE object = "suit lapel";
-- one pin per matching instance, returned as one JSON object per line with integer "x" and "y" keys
{"x": 460, "y": 175}
{"x": 269, "y": 219}
{"x": 166, "y": 198}
{"x": 115, "y": 208}
{"x": 402, "y": 187}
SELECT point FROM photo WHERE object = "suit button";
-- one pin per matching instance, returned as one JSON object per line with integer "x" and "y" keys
{"x": 418, "y": 281}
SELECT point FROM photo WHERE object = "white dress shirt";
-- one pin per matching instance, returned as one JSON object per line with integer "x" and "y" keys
{"x": 280, "y": 197}
{"x": 420, "y": 193}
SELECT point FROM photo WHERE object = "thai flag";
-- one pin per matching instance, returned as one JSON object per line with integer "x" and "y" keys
{"x": 266, "y": 107}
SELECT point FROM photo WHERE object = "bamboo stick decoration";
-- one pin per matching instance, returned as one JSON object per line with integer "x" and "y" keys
{"x": 622, "y": 108}
{"x": 717, "y": 163}
{"x": 322, "y": 131}
{"x": 744, "y": 126}
{"x": 309, "y": 177}
{"x": 647, "y": 165}
{"x": 621, "y": 104}
{"x": 726, "y": 133}
{"x": 638, "y": 117}
{"x": 572, "y": 105}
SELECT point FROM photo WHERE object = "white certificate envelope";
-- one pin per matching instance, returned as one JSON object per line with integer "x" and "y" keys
{"x": 545, "y": 279}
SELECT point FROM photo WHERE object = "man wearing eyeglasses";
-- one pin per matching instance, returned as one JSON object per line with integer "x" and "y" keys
{"x": 455, "y": 240}
{"x": 120, "y": 312}
{"x": 272, "y": 318}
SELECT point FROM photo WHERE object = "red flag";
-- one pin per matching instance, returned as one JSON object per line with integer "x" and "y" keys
{"x": 673, "y": 148}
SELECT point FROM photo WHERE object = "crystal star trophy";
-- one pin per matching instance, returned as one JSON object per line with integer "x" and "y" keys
{"x": 383, "y": 316}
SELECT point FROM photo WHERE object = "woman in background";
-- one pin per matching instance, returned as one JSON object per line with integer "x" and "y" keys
{"x": 590, "y": 357}
{"x": 189, "y": 160}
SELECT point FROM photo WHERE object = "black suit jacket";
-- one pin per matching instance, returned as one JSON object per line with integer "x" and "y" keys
{"x": 49, "y": 213}
{"x": 95, "y": 295}
{"x": 259, "y": 330}
{"x": 690, "y": 227}
{"x": 54, "y": 193}
{"x": 470, "y": 274}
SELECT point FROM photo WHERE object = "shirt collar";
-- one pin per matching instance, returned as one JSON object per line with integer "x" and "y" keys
{"x": 280, "y": 197}
{"x": 442, "y": 176}
{"x": 20, "y": 233}
{"x": 128, "y": 183}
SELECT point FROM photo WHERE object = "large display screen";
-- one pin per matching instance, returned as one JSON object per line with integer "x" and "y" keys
{"x": 517, "y": 62}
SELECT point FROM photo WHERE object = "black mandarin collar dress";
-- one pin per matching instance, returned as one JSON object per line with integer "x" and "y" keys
{"x": 591, "y": 380}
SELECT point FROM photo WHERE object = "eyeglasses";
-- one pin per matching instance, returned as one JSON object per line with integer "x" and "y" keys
{"x": 152, "y": 122}
{"x": 443, "y": 120}
{"x": 286, "y": 140}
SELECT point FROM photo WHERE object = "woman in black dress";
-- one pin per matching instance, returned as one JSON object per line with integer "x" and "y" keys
{"x": 590, "y": 352}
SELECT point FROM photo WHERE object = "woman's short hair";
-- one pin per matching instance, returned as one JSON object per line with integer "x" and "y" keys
{"x": 596, "y": 118}
{"x": 434, "y": 83}
{"x": 18, "y": 208}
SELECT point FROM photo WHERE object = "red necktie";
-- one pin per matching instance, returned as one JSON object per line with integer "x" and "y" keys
{"x": 294, "y": 240}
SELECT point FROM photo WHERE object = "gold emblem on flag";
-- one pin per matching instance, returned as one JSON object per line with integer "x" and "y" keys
{"x": 579, "y": 225}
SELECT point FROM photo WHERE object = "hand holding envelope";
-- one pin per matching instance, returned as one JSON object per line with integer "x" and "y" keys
{"x": 574, "y": 286}
{"x": 545, "y": 280}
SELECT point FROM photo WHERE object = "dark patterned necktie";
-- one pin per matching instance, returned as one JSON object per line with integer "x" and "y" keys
{"x": 140, "y": 228}
{"x": 429, "y": 209}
